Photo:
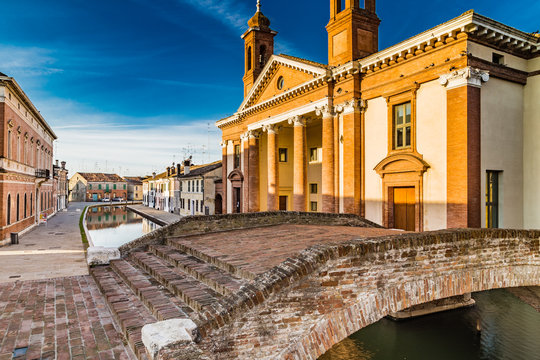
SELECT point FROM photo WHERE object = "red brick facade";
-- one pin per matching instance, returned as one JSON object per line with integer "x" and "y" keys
{"x": 26, "y": 152}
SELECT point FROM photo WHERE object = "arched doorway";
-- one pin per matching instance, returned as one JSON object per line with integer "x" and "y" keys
{"x": 218, "y": 204}
{"x": 237, "y": 181}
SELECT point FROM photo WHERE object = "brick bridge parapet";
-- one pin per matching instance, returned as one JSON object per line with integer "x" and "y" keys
{"x": 302, "y": 307}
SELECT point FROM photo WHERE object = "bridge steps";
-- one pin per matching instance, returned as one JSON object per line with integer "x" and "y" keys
{"x": 158, "y": 301}
{"x": 129, "y": 312}
{"x": 206, "y": 255}
{"x": 216, "y": 278}
{"x": 193, "y": 292}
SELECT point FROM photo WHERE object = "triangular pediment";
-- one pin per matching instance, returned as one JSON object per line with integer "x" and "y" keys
{"x": 294, "y": 71}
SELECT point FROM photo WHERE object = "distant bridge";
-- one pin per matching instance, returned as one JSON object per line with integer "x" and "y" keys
{"x": 253, "y": 293}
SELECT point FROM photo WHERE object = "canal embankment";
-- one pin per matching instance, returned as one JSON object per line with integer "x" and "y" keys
{"x": 159, "y": 217}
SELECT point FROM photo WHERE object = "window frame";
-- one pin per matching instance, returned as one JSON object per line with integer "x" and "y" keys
{"x": 492, "y": 202}
{"x": 402, "y": 97}
{"x": 312, "y": 186}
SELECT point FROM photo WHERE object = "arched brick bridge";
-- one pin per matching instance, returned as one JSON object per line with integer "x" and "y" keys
{"x": 291, "y": 285}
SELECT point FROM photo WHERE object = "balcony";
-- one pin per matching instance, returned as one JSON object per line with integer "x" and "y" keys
{"x": 43, "y": 173}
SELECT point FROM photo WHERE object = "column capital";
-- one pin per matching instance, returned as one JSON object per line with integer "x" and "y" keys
{"x": 351, "y": 106}
{"x": 271, "y": 128}
{"x": 325, "y": 110}
{"x": 462, "y": 77}
{"x": 250, "y": 134}
{"x": 297, "y": 120}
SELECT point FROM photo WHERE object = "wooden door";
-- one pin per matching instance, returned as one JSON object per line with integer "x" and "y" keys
{"x": 404, "y": 208}
{"x": 283, "y": 203}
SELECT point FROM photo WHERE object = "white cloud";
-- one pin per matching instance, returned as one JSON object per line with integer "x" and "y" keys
{"x": 26, "y": 61}
{"x": 227, "y": 11}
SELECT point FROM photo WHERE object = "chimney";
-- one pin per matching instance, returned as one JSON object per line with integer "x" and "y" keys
{"x": 63, "y": 165}
{"x": 187, "y": 165}
{"x": 168, "y": 171}
{"x": 56, "y": 163}
{"x": 178, "y": 169}
{"x": 154, "y": 175}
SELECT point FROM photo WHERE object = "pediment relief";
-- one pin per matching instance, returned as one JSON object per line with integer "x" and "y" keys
{"x": 265, "y": 85}
{"x": 402, "y": 163}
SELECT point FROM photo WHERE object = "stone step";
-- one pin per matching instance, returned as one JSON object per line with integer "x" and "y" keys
{"x": 193, "y": 292}
{"x": 130, "y": 313}
{"x": 157, "y": 299}
{"x": 218, "y": 279}
{"x": 206, "y": 255}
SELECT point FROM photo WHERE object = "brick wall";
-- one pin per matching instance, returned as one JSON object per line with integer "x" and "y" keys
{"x": 301, "y": 308}
{"x": 203, "y": 224}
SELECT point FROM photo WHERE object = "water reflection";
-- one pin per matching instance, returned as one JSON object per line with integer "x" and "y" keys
{"x": 510, "y": 330}
{"x": 113, "y": 226}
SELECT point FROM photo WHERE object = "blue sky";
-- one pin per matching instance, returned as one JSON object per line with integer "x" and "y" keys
{"x": 132, "y": 85}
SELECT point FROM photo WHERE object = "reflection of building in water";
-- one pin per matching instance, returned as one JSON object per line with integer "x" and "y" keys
{"x": 109, "y": 216}
{"x": 148, "y": 226}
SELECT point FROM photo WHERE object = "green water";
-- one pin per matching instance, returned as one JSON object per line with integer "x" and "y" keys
{"x": 510, "y": 330}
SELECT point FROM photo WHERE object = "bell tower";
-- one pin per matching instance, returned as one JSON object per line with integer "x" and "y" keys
{"x": 259, "y": 46}
{"x": 353, "y": 31}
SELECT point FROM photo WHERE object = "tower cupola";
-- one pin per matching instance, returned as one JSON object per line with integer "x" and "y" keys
{"x": 259, "y": 47}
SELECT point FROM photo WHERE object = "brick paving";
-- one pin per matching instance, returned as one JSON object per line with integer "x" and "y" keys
{"x": 62, "y": 318}
{"x": 260, "y": 249}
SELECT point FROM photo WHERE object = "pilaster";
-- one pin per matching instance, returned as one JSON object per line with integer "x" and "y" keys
{"x": 464, "y": 196}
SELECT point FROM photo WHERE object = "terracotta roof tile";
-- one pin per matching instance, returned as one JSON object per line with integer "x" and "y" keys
{"x": 101, "y": 177}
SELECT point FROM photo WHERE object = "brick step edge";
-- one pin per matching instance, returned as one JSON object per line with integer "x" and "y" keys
{"x": 175, "y": 243}
{"x": 218, "y": 286}
{"x": 173, "y": 288}
{"x": 131, "y": 333}
{"x": 159, "y": 304}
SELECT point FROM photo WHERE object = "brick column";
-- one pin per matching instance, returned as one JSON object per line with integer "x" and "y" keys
{"x": 299, "y": 189}
{"x": 352, "y": 161}
{"x": 464, "y": 196}
{"x": 273, "y": 167}
{"x": 224, "y": 174}
{"x": 328, "y": 197}
{"x": 253, "y": 171}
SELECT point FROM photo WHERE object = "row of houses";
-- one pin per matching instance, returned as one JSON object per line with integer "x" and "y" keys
{"x": 90, "y": 187}
{"x": 32, "y": 188}
{"x": 185, "y": 189}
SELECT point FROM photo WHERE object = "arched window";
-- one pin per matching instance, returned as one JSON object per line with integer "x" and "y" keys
{"x": 9, "y": 209}
{"x": 25, "y": 199}
{"x": 41, "y": 203}
{"x": 31, "y": 205}
{"x": 262, "y": 55}
{"x": 18, "y": 207}
{"x": 9, "y": 144}
{"x": 249, "y": 58}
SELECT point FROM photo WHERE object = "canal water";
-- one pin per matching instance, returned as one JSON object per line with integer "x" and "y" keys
{"x": 510, "y": 330}
{"x": 113, "y": 226}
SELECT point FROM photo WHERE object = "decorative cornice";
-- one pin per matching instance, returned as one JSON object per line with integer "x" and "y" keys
{"x": 466, "y": 76}
{"x": 297, "y": 121}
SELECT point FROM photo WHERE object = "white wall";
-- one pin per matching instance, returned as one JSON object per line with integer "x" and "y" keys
{"x": 502, "y": 147}
{"x": 431, "y": 143}
{"x": 376, "y": 148}
{"x": 531, "y": 149}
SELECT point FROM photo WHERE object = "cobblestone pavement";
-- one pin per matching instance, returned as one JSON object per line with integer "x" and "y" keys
{"x": 62, "y": 318}
{"x": 47, "y": 251}
{"x": 164, "y": 216}
{"x": 259, "y": 249}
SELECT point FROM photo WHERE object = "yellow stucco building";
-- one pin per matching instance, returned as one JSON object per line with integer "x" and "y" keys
{"x": 438, "y": 131}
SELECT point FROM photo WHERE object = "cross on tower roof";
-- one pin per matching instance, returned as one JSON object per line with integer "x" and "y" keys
{"x": 258, "y": 5}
